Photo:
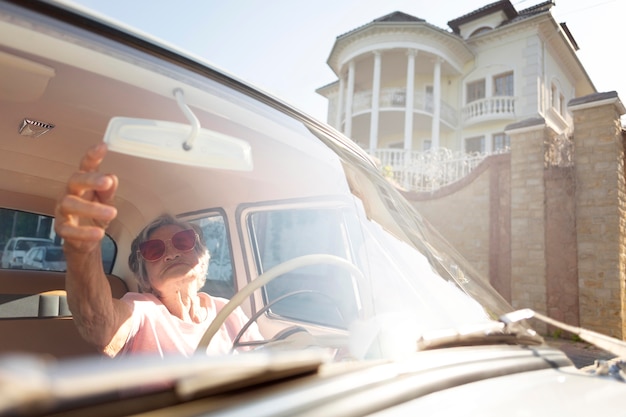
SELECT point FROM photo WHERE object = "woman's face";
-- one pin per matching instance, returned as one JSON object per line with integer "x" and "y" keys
{"x": 176, "y": 269}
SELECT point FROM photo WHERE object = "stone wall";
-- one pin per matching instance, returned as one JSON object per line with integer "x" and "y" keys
{"x": 458, "y": 213}
{"x": 562, "y": 293}
{"x": 600, "y": 212}
{"x": 547, "y": 224}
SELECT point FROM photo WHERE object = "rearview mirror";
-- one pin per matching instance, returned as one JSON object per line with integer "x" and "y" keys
{"x": 166, "y": 141}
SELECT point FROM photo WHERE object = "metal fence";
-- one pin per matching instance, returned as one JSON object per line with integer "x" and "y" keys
{"x": 427, "y": 170}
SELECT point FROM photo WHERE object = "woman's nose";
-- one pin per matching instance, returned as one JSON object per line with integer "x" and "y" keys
{"x": 170, "y": 251}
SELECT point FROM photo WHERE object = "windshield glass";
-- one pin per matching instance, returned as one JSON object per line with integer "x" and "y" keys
{"x": 279, "y": 200}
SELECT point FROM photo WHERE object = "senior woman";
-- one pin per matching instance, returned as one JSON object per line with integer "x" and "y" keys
{"x": 169, "y": 260}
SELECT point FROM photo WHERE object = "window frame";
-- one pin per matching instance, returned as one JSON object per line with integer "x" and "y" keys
{"x": 47, "y": 233}
{"x": 231, "y": 286}
{"x": 254, "y": 263}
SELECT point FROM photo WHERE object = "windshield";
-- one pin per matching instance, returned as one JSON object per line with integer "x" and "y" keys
{"x": 268, "y": 188}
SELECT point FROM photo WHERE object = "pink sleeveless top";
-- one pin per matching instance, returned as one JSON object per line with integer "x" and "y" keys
{"x": 156, "y": 331}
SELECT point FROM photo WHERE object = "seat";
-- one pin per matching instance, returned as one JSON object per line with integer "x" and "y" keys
{"x": 35, "y": 318}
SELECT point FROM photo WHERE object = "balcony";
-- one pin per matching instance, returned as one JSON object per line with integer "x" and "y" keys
{"x": 490, "y": 108}
{"x": 427, "y": 170}
{"x": 395, "y": 98}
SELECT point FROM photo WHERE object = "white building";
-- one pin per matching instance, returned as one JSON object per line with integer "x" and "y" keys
{"x": 406, "y": 85}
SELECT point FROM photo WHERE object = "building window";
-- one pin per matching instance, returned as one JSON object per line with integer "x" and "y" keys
{"x": 501, "y": 141}
{"x": 475, "y": 90}
{"x": 427, "y": 145}
{"x": 398, "y": 98}
{"x": 503, "y": 84}
{"x": 480, "y": 30}
{"x": 557, "y": 99}
{"x": 475, "y": 144}
{"x": 428, "y": 105}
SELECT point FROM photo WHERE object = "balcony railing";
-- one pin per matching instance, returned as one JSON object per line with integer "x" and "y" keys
{"x": 396, "y": 98}
{"x": 427, "y": 170}
{"x": 489, "y": 108}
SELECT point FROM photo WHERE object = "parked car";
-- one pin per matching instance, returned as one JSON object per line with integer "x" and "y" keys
{"x": 45, "y": 258}
{"x": 364, "y": 308}
{"x": 16, "y": 248}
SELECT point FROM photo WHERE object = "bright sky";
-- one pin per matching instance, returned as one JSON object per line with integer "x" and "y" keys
{"x": 281, "y": 46}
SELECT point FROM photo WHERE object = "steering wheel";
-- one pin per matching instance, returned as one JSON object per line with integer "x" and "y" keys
{"x": 266, "y": 307}
{"x": 264, "y": 279}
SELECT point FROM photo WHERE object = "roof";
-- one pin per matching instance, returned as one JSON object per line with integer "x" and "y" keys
{"x": 531, "y": 11}
{"x": 504, "y": 6}
{"x": 398, "y": 17}
{"x": 590, "y": 98}
{"x": 394, "y": 17}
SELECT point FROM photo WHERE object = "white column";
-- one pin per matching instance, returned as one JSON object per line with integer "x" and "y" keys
{"x": 375, "y": 103}
{"x": 489, "y": 94}
{"x": 349, "y": 99}
{"x": 436, "y": 105}
{"x": 340, "y": 110}
{"x": 409, "y": 103}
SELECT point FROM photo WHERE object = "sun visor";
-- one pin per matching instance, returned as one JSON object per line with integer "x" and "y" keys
{"x": 22, "y": 81}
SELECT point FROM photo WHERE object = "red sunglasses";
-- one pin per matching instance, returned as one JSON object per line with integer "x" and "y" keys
{"x": 154, "y": 249}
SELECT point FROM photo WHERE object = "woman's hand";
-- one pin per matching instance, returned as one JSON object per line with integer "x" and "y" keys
{"x": 86, "y": 208}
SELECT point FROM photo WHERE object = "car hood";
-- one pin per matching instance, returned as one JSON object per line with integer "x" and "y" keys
{"x": 547, "y": 392}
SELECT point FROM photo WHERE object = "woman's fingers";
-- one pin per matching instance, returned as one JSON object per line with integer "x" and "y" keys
{"x": 81, "y": 183}
{"x": 79, "y": 236}
{"x": 71, "y": 206}
{"x": 90, "y": 162}
{"x": 109, "y": 187}
{"x": 85, "y": 209}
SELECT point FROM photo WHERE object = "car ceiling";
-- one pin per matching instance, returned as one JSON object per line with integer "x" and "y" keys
{"x": 62, "y": 86}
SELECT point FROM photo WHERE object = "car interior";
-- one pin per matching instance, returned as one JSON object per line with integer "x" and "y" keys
{"x": 58, "y": 94}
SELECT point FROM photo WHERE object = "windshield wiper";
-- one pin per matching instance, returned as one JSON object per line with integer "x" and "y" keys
{"x": 508, "y": 330}
{"x": 607, "y": 343}
{"x": 479, "y": 334}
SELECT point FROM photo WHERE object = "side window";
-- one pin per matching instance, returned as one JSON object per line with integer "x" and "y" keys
{"x": 320, "y": 294}
{"x": 23, "y": 234}
{"x": 220, "y": 280}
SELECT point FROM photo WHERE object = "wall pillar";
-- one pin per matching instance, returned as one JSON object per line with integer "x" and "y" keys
{"x": 528, "y": 245}
{"x": 600, "y": 212}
